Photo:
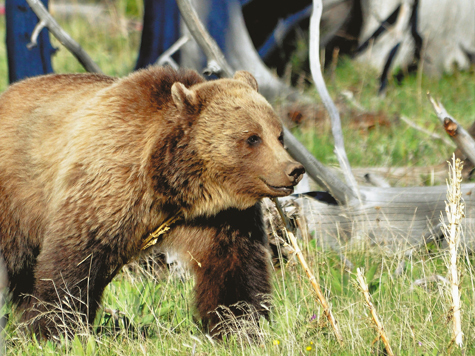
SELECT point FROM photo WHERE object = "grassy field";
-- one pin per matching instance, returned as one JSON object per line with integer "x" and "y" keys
{"x": 156, "y": 310}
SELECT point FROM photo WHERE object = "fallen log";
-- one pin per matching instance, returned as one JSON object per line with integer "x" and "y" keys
{"x": 397, "y": 218}
{"x": 394, "y": 217}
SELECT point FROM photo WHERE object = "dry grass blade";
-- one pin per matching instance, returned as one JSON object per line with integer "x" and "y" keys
{"x": 321, "y": 298}
{"x": 374, "y": 315}
{"x": 454, "y": 208}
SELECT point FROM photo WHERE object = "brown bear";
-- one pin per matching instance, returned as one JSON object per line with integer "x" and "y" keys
{"x": 90, "y": 165}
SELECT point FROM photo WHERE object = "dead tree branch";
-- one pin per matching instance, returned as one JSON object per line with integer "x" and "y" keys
{"x": 318, "y": 172}
{"x": 315, "y": 68}
{"x": 220, "y": 66}
{"x": 46, "y": 20}
{"x": 34, "y": 35}
{"x": 166, "y": 57}
{"x": 457, "y": 133}
{"x": 427, "y": 132}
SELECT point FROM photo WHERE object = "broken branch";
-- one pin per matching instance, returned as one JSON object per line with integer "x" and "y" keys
{"x": 34, "y": 35}
{"x": 427, "y": 132}
{"x": 62, "y": 36}
{"x": 457, "y": 133}
{"x": 166, "y": 57}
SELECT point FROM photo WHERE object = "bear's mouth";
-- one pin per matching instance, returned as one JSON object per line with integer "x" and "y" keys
{"x": 280, "y": 190}
{"x": 284, "y": 190}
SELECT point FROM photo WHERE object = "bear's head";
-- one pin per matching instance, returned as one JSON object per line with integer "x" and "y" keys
{"x": 237, "y": 146}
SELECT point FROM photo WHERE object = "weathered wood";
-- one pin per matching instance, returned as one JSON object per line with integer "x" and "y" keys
{"x": 393, "y": 217}
{"x": 323, "y": 176}
{"x": 202, "y": 37}
{"x": 445, "y": 27}
{"x": 166, "y": 57}
{"x": 316, "y": 70}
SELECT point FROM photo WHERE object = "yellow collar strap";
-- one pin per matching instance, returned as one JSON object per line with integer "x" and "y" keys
{"x": 152, "y": 238}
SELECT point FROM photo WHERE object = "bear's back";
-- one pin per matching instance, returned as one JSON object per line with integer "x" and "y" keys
{"x": 33, "y": 114}
{"x": 60, "y": 132}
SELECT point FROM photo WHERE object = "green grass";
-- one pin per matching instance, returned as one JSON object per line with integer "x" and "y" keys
{"x": 393, "y": 144}
{"x": 156, "y": 312}
{"x": 159, "y": 314}
{"x": 113, "y": 45}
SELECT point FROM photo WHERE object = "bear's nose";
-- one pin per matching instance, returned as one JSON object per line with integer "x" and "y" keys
{"x": 295, "y": 172}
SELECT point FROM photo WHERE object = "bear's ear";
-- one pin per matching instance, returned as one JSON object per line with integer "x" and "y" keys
{"x": 184, "y": 98}
{"x": 246, "y": 77}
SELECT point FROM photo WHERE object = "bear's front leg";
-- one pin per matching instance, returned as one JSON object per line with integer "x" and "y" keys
{"x": 234, "y": 266}
{"x": 70, "y": 277}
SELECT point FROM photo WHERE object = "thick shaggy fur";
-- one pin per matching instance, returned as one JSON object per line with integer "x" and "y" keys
{"x": 90, "y": 165}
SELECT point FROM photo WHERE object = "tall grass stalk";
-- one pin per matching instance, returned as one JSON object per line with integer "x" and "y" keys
{"x": 454, "y": 208}
{"x": 321, "y": 298}
{"x": 374, "y": 315}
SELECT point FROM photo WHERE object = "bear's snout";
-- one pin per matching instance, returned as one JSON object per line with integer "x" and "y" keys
{"x": 294, "y": 172}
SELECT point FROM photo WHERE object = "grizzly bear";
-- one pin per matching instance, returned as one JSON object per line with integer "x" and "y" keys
{"x": 90, "y": 165}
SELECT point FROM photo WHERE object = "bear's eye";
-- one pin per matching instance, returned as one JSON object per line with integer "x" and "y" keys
{"x": 254, "y": 140}
{"x": 281, "y": 138}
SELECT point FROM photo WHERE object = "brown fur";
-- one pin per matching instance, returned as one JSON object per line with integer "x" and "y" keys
{"x": 89, "y": 165}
